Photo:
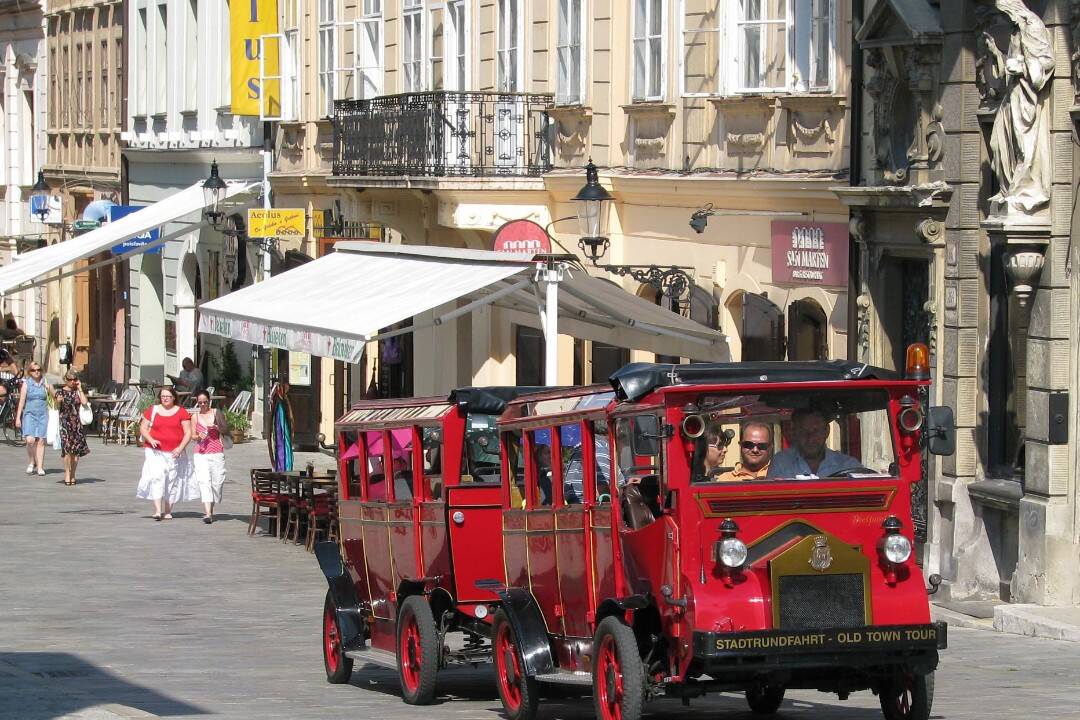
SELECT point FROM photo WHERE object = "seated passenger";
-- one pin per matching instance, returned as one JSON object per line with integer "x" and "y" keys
{"x": 543, "y": 473}
{"x": 573, "y": 487}
{"x": 756, "y": 449}
{"x": 715, "y": 451}
{"x": 808, "y": 456}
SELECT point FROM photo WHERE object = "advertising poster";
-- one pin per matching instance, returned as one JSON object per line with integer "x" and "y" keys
{"x": 249, "y": 22}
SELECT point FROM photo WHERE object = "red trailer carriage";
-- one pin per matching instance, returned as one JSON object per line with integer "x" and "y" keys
{"x": 405, "y": 467}
{"x": 645, "y": 576}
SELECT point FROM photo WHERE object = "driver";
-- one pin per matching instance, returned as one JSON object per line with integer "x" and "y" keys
{"x": 808, "y": 456}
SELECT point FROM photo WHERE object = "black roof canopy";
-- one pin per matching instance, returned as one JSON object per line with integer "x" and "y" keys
{"x": 489, "y": 400}
{"x": 636, "y": 380}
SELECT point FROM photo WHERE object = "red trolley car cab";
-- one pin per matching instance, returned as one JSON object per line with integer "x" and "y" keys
{"x": 649, "y": 550}
{"x": 420, "y": 484}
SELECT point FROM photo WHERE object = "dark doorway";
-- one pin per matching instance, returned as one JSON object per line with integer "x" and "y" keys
{"x": 606, "y": 359}
{"x": 807, "y": 331}
{"x": 762, "y": 331}
{"x": 529, "y": 353}
{"x": 302, "y": 372}
{"x": 902, "y": 287}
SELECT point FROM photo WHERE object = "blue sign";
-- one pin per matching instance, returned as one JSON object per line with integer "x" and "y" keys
{"x": 134, "y": 243}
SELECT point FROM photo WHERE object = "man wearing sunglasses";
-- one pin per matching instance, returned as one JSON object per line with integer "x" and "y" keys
{"x": 755, "y": 450}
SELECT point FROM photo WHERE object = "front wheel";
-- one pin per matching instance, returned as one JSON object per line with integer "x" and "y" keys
{"x": 764, "y": 699}
{"x": 338, "y": 667}
{"x": 907, "y": 696}
{"x": 618, "y": 673}
{"x": 519, "y": 692}
{"x": 417, "y": 651}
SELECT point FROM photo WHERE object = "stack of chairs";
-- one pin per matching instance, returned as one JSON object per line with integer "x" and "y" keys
{"x": 242, "y": 403}
{"x": 111, "y": 425}
{"x": 267, "y": 500}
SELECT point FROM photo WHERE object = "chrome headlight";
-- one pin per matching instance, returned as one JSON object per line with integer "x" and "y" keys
{"x": 897, "y": 548}
{"x": 732, "y": 552}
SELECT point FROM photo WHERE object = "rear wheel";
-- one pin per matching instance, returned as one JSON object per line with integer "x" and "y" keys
{"x": 618, "y": 673}
{"x": 519, "y": 693}
{"x": 417, "y": 651}
{"x": 907, "y": 696}
{"x": 338, "y": 667}
{"x": 764, "y": 699}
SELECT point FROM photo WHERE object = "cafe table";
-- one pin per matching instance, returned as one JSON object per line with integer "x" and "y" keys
{"x": 108, "y": 405}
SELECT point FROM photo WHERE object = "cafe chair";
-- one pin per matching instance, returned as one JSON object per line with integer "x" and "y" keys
{"x": 267, "y": 501}
{"x": 321, "y": 515}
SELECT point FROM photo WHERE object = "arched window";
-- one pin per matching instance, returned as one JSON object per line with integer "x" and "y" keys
{"x": 761, "y": 329}
{"x": 807, "y": 331}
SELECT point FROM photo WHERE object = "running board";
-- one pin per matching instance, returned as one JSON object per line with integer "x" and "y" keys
{"x": 566, "y": 678}
{"x": 374, "y": 656}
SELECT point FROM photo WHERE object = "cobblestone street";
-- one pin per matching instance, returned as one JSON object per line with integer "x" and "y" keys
{"x": 105, "y": 613}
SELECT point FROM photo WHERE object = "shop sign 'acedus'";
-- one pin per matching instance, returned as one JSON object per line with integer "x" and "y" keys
{"x": 809, "y": 253}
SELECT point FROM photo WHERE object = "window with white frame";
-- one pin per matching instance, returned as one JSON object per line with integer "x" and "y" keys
{"x": 702, "y": 39}
{"x": 457, "y": 44}
{"x": 508, "y": 46}
{"x": 412, "y": 45}
{"x": 369, "y": 50}
{"x": 190, "y": 98}
{"x": 327, "y": 56}
{"x": 279, "y": 65}
{"x": 162, "y": 74}
{"x": 783, "y": 45}
{"x": 570, "y": 89}
{"x": 648, "y": 50}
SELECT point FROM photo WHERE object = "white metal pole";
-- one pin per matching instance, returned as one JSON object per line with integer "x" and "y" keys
{"x": 551, "y": 324}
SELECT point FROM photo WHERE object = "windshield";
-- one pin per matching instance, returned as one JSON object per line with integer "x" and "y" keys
{"x": 481, "y": 450}
{"x": 790, "y": 435}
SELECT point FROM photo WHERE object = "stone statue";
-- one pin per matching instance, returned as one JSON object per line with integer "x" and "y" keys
{"x": 1020, "y": 139}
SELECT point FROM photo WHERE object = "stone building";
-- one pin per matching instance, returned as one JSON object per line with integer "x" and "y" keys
{"x": 87, "y": 89}
{"x": 962, "y": 207}
{"x": 23, "y": 103}
{"x": 434, "y": 123}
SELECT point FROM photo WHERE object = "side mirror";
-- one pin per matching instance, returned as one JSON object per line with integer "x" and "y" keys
{"x": 940, "y": 431}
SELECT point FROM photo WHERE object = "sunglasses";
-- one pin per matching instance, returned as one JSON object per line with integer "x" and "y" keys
{"x": 750, "y": 445}
{"x": 35, "y": 369}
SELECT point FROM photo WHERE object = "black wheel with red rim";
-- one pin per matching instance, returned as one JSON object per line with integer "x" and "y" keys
{"x": 618, "y": 672}
{"x": 417, "y": 651}
{"x": 518, "y": 692}
{"x": 338, "y": 667}
{"x": 764, "y": 699}
{"x": 907, "y": 696}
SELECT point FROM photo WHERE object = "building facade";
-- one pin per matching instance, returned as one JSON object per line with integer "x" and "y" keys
{"x": 178, "y": 121}
{"x": 87, "y": 89}
{"x": 441, "y": 121}
{"x": 23, "y": 106}
{"x": 964, "y": 221}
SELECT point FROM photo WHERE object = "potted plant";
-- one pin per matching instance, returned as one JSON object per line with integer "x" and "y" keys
{"x": 238, "y": 424}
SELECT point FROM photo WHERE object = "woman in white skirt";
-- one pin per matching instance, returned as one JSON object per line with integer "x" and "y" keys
{"x": 167, "y": 475}
{"x": 210, "y": 428}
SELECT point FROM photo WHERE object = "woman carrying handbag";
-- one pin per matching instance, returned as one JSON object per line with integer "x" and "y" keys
{"x": 211, "y": 439}
{"x": 70, "y": 400}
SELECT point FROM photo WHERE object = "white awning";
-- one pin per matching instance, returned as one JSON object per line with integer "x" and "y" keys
{"x": 27, "y": 269}
{"x": 331, "y": 306}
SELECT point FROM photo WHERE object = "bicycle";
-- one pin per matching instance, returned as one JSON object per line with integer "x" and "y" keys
{"x": 8, "y": 408}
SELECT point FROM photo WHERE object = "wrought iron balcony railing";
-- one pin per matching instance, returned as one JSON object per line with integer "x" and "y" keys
{"x": 444, "y": 134}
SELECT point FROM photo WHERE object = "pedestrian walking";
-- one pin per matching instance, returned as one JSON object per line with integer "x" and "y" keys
{"x": 72, "y": 436}
{"x": 210, "y": 431}
{"x": 32, "y": 417}
{"x": 167, "y": 471}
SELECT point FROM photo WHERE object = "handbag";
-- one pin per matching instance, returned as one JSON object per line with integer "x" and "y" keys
{"x": 86, "y": 415}
{"x": 226, "y": 438}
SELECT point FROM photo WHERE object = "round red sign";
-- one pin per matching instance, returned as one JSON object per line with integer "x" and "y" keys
{"x": 522, "y": 236}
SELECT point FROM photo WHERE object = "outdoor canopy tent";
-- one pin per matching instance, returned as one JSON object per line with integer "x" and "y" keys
{"x": 33, "y": 268}
{"x": 333, "y": 305}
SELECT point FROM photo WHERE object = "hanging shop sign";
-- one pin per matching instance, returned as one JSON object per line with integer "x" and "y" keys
{"x": 276, "y": 222}
{"x": 805, "y": 253}
{"x": 249, "y": 22}
{"x": 522, "y": 236}
{"x": 118, "y": 211}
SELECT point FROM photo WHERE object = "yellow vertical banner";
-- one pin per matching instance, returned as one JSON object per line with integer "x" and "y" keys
{"x": 250, "y": 20}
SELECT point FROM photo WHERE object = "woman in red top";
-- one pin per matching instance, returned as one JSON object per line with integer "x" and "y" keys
{"x": 167, "y": 476}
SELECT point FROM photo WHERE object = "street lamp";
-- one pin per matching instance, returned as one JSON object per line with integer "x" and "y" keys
{"x": 214, "y": 195}
{"x": 594, "y": 205}
{"x": 41, "y": 191}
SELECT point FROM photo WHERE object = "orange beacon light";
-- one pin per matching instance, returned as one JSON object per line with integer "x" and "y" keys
{"x": 917, "y": 366}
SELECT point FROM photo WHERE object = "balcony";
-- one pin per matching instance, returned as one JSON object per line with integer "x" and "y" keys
{"x": 443, "y": 135}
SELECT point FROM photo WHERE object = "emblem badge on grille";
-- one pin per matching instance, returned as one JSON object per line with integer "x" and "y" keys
{"x": 821, "y": 555}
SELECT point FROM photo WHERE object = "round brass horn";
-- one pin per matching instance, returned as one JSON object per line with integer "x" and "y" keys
{"x": 693, "y": 426}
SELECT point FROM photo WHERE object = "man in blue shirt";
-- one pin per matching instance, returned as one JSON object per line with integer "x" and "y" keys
{"x": 808, "y": 457}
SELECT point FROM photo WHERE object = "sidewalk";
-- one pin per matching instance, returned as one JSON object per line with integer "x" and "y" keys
{"x": 1054, "y": 623}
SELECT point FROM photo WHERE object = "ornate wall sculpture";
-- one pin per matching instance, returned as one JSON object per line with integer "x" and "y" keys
{"x": 1020, "y": 138}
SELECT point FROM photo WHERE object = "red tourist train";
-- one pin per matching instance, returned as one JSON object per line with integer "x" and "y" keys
{"x": 599, "y": 537}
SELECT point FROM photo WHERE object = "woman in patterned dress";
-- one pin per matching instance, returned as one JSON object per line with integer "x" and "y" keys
{"x": 72, "y": 436}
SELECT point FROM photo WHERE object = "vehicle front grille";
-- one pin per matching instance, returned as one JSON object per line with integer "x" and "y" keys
{"x": 821, "y": 601}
